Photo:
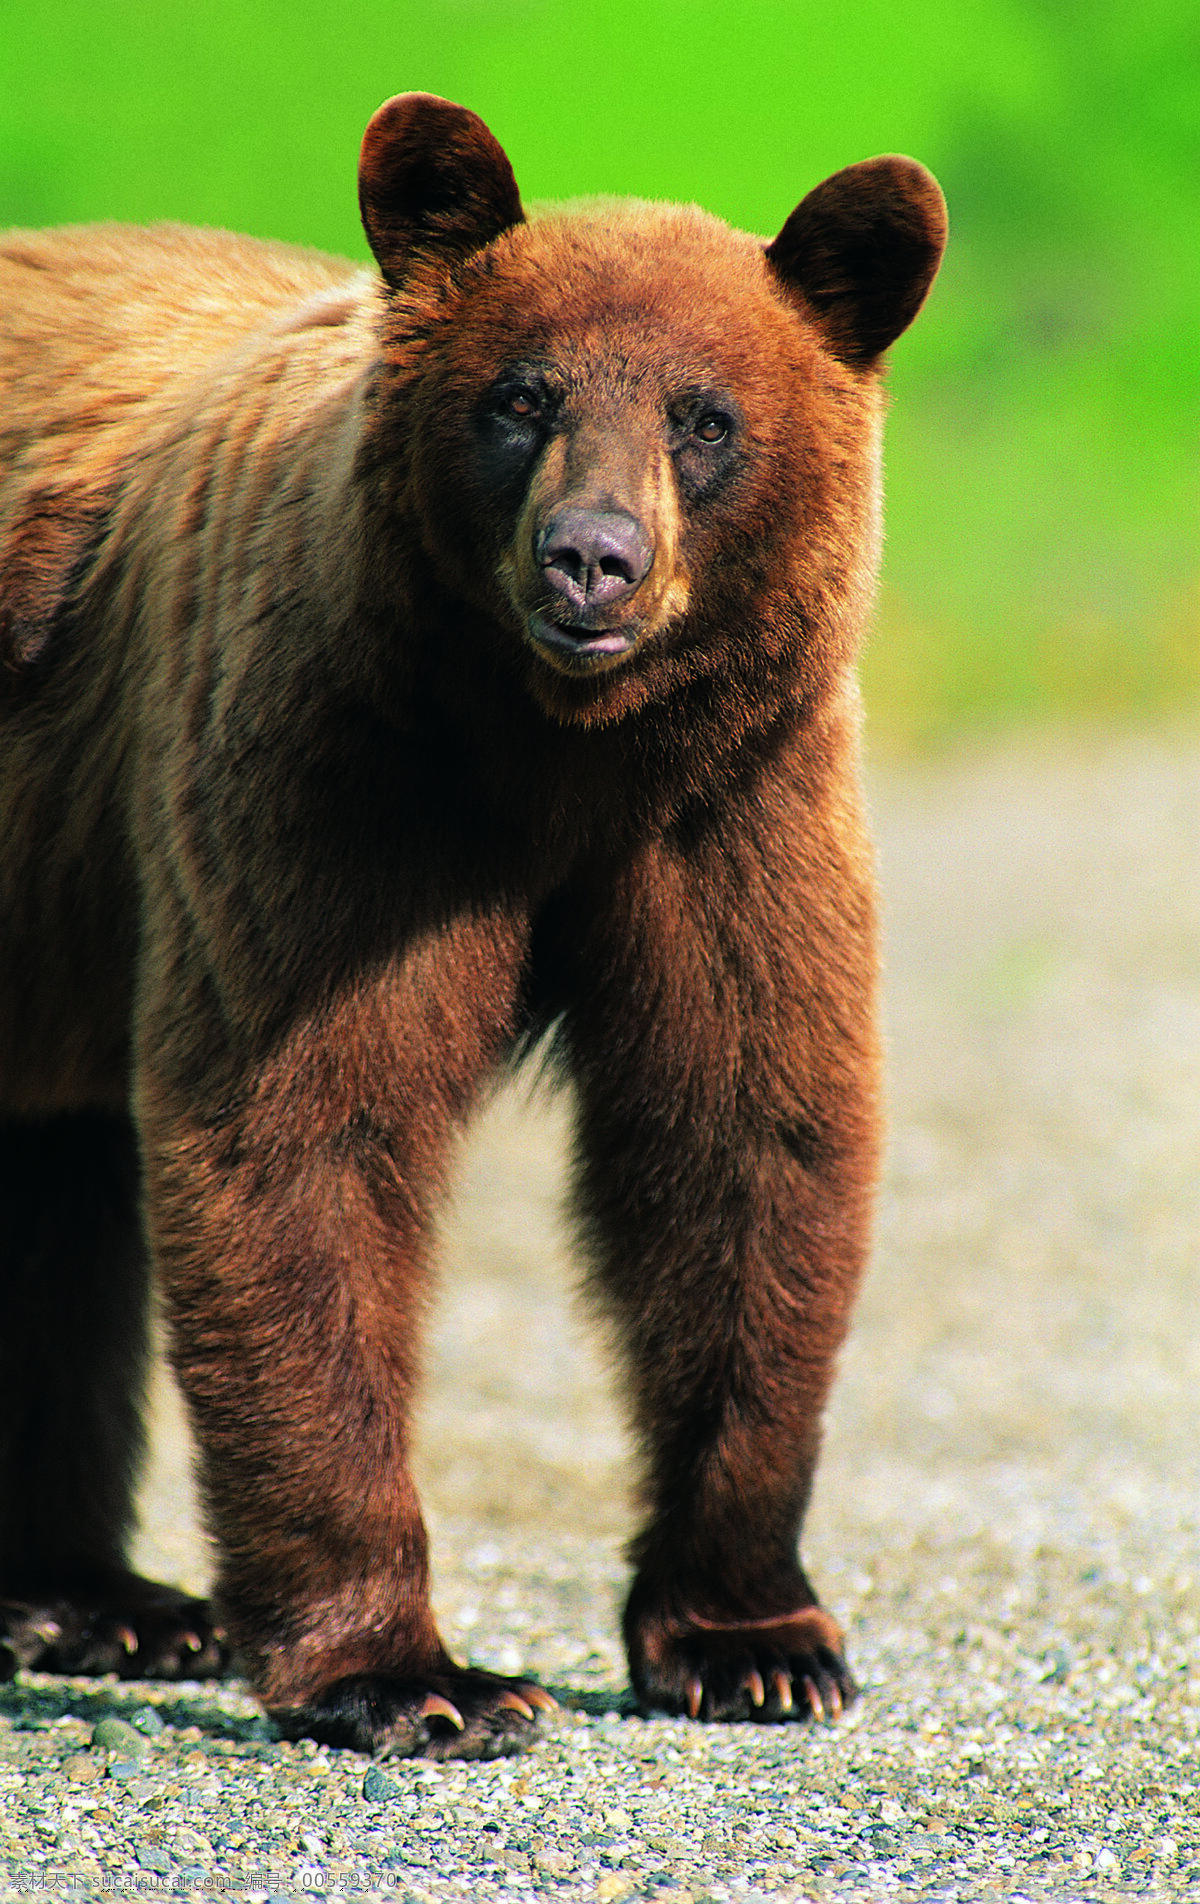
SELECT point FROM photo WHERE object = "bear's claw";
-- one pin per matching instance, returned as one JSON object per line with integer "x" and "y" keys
{"x": 463, "y": 1714}
{"x": 768, "y": 1670}
{"x": 131, "y": 1626}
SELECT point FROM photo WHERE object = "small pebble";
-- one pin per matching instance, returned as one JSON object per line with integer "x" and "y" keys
{"x": 378, "y": 1787}
{"x": 124, "y": 1771}
{"x": 117, "y": 1735}
{"x": 82, "y": 1769}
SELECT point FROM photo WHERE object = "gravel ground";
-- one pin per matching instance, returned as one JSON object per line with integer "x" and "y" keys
{"x": 1007, "y": 1517}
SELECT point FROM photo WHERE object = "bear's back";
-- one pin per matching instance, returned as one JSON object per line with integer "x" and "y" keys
{"x": 114, "y": 338}
{"x": 98, "y": 323}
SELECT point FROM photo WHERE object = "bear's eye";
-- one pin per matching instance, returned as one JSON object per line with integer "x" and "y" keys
{"x": 712, "y": 427}
{"x": 522, "y": 404}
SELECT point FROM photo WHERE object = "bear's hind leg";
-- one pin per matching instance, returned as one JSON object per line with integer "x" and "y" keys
{"x": 73, "y": 1284}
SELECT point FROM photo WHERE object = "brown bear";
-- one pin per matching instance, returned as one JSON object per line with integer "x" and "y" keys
{"x": 401, "y": 671}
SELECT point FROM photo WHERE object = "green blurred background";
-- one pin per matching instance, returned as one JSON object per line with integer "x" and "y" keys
{"x": 1044, "y": 452}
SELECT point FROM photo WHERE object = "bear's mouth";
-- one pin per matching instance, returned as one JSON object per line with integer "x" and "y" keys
{"x": 579, "y": 650}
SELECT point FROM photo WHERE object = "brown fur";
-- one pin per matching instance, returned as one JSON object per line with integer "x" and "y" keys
{"x": 327, "y": 786}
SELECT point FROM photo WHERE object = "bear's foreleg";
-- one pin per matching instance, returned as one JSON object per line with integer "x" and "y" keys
{"x": 290, "y": 1218}
{"x": 72, "y": 1363}
{"x": 723, "y": 1039}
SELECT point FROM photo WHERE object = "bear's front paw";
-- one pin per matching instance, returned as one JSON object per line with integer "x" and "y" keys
{"x": 128, "y": 1625}
{"x": 787, "y": 1667}
{"x": 452, "y": 1714}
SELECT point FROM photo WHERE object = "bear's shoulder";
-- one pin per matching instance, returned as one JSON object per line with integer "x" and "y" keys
{"x": 113, "y": 338}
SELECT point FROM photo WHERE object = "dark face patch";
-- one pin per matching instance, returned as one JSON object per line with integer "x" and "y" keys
{"x": 708, "y": 441}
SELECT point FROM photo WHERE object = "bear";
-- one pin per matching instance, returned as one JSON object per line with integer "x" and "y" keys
{"x": 405, "y": 669}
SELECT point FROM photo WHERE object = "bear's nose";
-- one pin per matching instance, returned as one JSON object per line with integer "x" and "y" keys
{"x": 593, "y": 557}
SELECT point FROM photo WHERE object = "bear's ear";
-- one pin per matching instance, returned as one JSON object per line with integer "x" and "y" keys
{"x": 431, "y": 178}
{"x": 862, "y": 251}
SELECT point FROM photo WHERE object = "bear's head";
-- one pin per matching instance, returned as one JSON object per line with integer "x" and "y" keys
{"x": 642, "y": 446}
